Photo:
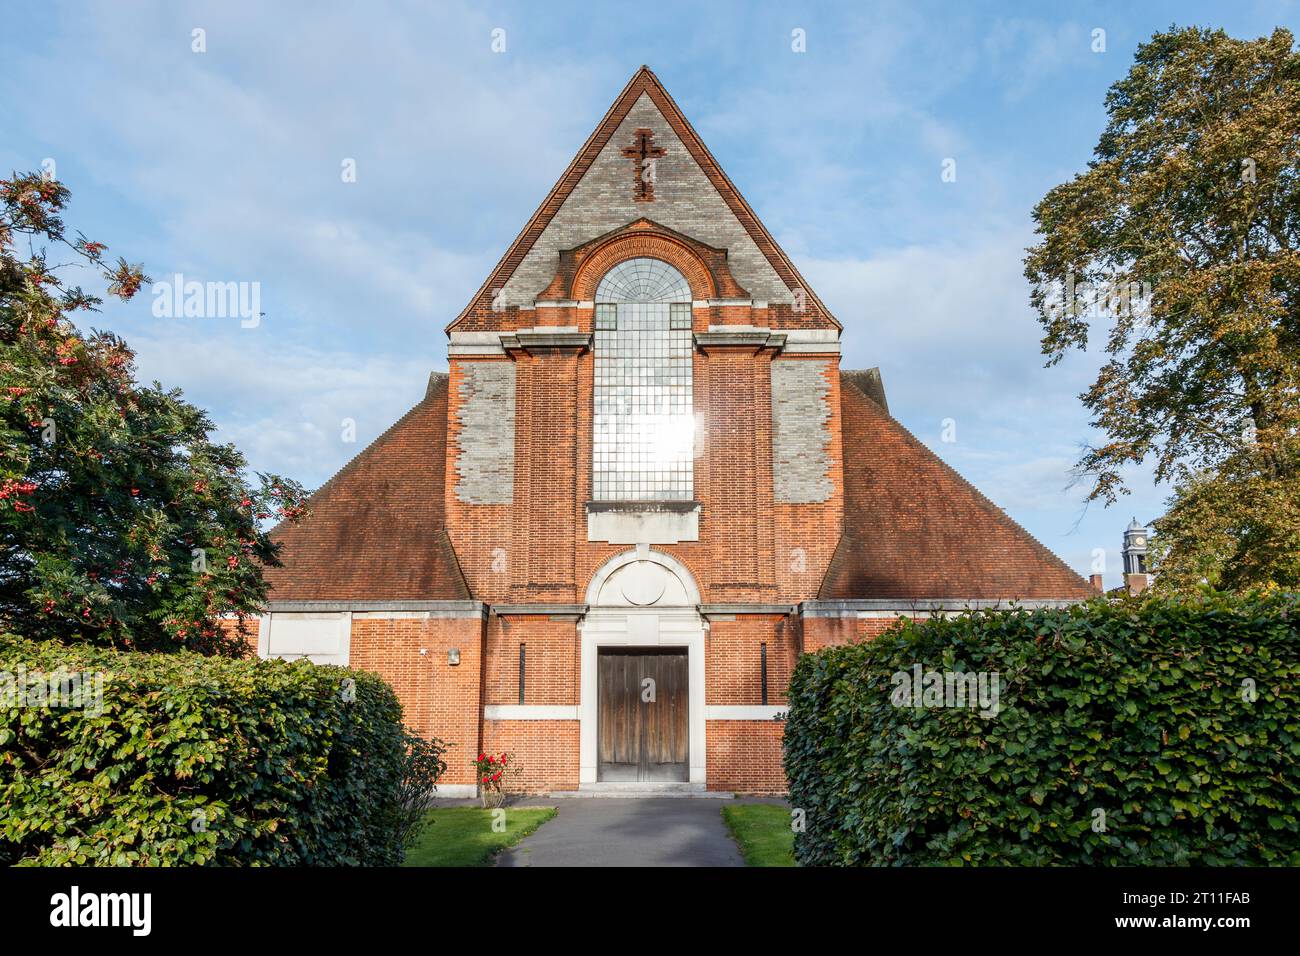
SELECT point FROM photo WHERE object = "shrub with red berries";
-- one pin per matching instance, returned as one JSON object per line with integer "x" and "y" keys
{"x": 121, "y": 521}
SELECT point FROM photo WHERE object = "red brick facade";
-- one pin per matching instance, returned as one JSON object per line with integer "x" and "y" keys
{"x": 469, "y": 530}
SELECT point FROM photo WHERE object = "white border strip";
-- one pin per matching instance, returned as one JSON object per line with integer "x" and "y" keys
{"x": 529, "y": 712}
{"x": 455, "y": 791}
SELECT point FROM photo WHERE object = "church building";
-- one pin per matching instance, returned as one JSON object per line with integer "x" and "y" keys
{"x": 644, "y": 487}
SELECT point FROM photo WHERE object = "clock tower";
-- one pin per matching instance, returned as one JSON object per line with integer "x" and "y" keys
{"x": 1136, "y": 575}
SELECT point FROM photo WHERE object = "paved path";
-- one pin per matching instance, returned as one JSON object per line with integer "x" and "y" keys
{"x": 629, "y": 832}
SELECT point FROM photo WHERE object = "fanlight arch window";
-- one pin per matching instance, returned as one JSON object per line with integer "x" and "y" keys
{"x": 643, "y": 439}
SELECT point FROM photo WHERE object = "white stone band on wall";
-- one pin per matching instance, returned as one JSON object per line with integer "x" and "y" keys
{"x": 529, "y": 712}
{"x": 745, "y": 712}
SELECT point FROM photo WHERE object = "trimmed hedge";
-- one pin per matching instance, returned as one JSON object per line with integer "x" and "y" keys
{"x": 1124, "y": 736}
{"x": 203, "y": 760}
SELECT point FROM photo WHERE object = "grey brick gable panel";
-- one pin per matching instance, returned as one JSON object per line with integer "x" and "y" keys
{"x": 685, "y": 200}
{"x": 485, "y": 460}
{"x": 801, "y": 433}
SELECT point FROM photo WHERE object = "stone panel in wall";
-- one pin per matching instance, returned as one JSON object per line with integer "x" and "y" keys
{"x": 485, "y": 459}
{"x": 801, "y": 435}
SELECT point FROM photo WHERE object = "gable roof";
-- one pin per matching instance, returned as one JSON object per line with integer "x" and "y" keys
{"x": 643, "y": 82}
{"x": 914, "y": 529}
{"x": 377, "y": 528}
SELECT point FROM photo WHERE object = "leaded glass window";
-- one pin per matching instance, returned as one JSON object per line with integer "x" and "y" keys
{"x": 643, "y": 441}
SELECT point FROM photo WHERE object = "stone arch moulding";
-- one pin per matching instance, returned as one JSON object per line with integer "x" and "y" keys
{"x": 581, "y": 268}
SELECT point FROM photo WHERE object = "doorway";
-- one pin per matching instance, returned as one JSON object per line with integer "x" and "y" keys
{"x": 643, "y": 727}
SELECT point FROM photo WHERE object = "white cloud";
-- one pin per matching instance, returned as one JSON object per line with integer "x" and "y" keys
{"x": 286, "y": 409}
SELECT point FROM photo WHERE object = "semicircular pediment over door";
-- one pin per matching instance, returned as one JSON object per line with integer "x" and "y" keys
{"x": 644, "y": 579}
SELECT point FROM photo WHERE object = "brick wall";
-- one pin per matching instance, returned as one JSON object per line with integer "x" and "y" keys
{"x": 733, "y": 659}
{"x": 745, "y": 756}
{"x": 550, "y": 509}
{"x": 551, "y": 670}
{"x": 822, "y": 632}
{"x": 230, "y": 626}
{"x": 547, "y": 750}
{"x": 439, "y": 699}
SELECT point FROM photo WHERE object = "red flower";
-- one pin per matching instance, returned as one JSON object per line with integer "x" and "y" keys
{"x": 485, "y": 779}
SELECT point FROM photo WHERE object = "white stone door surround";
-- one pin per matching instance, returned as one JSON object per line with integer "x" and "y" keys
{"x": 641, "y": 598}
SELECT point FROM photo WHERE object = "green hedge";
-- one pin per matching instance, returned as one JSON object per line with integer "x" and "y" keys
{"x": 1123, "y": 737}
{"x": 196, "y": 759}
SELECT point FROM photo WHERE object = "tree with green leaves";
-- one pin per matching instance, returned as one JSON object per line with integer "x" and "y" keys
{"x": 121, "y": 522}
{"x": 1180, "y": 248}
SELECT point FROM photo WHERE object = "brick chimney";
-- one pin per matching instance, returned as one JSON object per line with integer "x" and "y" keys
{"x": 1095, "y": 581}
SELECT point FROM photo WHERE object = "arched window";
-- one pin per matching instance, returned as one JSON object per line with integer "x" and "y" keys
{"x": 643, "y": 442}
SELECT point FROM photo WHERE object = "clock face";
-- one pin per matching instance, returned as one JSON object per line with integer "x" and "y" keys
{"x": 1139, "y": 541}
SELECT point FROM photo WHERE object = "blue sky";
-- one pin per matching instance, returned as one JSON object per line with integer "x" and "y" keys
{"x": 225, "y": 166}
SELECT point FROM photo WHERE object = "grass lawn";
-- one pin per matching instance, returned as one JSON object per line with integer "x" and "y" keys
{"x": 763, "y": 832}
{"x": 463, "y": 836}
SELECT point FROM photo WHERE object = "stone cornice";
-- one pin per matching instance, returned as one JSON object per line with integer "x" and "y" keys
{"x": 731, "y": 610}
{"x": 530, "y": 342}
{"x": 744, "y": 338}
{"x": 468, "y": 609}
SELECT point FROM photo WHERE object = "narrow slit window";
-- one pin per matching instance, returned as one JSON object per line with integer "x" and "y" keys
{"x": 523, "y": 653}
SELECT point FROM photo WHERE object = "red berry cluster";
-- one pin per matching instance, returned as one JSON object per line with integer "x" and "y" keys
{"x": 12, "y": 490}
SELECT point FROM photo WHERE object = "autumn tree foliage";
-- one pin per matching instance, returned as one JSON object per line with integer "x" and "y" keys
{"x": 1179, "y": 248}
{"x": 121, "y": 522}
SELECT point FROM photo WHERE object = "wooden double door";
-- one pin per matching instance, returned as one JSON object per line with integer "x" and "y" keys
{"x": 642, "y": 729}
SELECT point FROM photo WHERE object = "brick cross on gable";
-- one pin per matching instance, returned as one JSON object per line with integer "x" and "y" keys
{"x": 644, "y": 153}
